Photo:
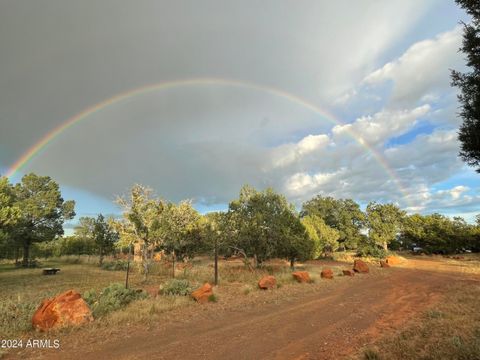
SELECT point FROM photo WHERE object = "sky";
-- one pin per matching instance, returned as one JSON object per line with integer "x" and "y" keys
{"x": 350, "y": 99}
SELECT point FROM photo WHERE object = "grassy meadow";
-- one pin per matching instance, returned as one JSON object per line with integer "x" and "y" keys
{"x": 24, "y": 289}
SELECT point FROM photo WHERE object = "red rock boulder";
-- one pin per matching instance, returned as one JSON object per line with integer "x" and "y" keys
{"x": 66, "y": 309}
{"x": 348, "y": 272}
{"x": 302, "y": 276}
{"x": 384, "y": 264}
{"x": 392, "y": 260}
{"x": 360, "y": 266}
{"x": 202, "y": 294}
{"x": 267, "y": 282}
{"x": 327, "y": 274}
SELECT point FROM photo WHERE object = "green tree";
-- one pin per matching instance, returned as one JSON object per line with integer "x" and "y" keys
{"x": 384, "y": 223}
{"x": 437, "y": 233}
{"x": 100, "y": 232}
{"x": 324, "y": 237}
{"x": 9, "y": 212}
{"x": 140, "y": 223}
{"x": 213, "y": 227}
{"x": 43, "y": 211}
{"x": 180, "y": 230}
{"x": 263, "y": 225}
{"x": 344, "y": 215}
{"x": 295, "y": 243}
{"x": 413, "y": 230}
{"x": 469, "y": 85}
{"x": 9, "y": 216}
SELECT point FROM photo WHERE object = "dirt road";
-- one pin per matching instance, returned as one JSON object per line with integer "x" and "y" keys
{"x": 320, "y": 325}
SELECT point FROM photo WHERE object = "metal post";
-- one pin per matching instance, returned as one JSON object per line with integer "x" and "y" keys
{"x": 128, "y": 266}
{"x": 216, "y": 262}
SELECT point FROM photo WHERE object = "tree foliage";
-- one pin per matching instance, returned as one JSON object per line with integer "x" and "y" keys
{"x": 141, "y": 221}
{"x": 384, "y": 223}
{"x": 42, "y": 211}
{"x": 469, "y": 85}
{"x": 344, "y": 215}
{"x": 180, "y": 230}
{"x": 99, "y": 232}
{"x": 325, "y": 238}
{"x": 437, "y": 233}
{"x": 264, "y": 225}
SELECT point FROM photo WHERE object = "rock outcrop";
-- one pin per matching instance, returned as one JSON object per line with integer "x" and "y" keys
{"x": 302, "y": 276}
{"x": 201, "y": 295}
{"x": 360, "y": 266}
{"x": 327, "y": 273}
{"x": 66, "y": 309}
{"x": 393, "y": 260}
{"x": 267, "y": 282}
{"x": 348, "y": 272}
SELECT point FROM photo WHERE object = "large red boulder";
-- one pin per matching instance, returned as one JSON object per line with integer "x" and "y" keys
{"x": 327, "y": 273}
{"x": 302, "y": 276}
{"x": 67, "y": 309}
{"x": 348, "y": 272}
{"x": 201, "y": 295}
{"x": 267, "y": 282}
{"x": 393, "y": 260}
{"x": 360, "y": 266}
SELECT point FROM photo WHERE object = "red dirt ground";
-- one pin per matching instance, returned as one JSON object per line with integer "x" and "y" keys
{"x": 330, "y": 324}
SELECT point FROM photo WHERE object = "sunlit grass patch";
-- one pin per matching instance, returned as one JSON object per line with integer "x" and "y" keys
{"x": 450, "y": 330}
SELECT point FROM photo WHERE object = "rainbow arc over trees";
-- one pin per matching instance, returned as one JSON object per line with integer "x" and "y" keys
{"x": 34, "y": 150}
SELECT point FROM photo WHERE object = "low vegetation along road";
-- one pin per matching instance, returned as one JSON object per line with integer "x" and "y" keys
{"x": 333, "y": 320}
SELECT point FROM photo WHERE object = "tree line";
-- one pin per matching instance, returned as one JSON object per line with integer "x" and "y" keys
{"x": 258, "y": 225}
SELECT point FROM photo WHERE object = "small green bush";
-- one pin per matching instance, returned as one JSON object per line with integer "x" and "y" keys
{"x": 213, "y": 298}
{"x": 115, "y": 265}
{"x": 112, "y": 298}
{"x": 372, "y": 250}
{"x": 176, "y": 287}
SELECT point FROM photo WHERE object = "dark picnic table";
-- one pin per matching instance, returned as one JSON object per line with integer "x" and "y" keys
{"x": 50, "y": 271}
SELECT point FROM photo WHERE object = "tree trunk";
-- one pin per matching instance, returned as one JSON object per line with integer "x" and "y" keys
{"x": 101, "y": 256}
{"x": 145, "y": 262}
{"x": 173, "y": 264}
{"x": 385, "y": 246}
{"x": 255, "y": 261}
{"x": 26, "y": 253}
{"x": 128, "y": 267}
{"x": 16, "y": 254}
{"x": 292, "y": 263}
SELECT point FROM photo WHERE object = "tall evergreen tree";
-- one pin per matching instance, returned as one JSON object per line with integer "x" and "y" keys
{"x": 43, "y": 211}
{"x": 469, "y": 85}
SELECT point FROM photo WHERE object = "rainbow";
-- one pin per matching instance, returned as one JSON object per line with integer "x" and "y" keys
{"x": 33, "y": 151}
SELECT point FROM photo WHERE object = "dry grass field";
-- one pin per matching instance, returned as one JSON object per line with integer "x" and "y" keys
{"x": 425, "y": 307}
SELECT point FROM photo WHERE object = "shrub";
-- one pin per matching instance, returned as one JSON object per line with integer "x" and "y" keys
{"x": 176, "y": 287}
{"x": 113, "y": 297}
{"x": 213, "y": 298}
{"x": 115, "y": 265}
{"x": 372, "y": 250}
